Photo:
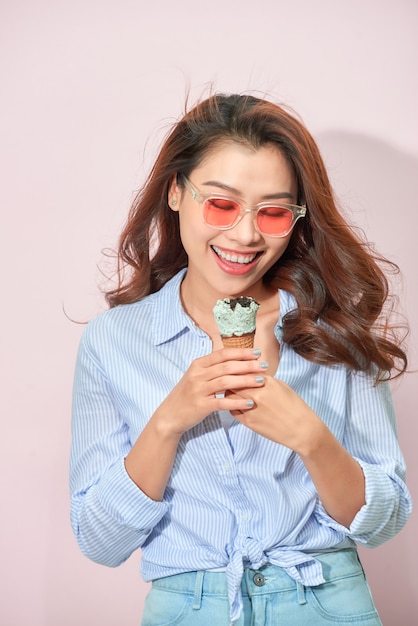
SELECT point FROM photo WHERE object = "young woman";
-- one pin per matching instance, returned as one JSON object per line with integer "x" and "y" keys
{"x": 247, "y": 505}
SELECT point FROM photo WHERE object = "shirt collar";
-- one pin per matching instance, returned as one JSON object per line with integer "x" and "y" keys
{"x": 170, "y": 318}
{"x": 287, "y": 303}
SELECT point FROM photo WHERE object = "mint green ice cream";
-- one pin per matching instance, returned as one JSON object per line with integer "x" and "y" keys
{"x": 236, "y": 316}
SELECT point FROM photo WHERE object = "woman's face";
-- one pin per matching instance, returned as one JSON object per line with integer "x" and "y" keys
{"x": 232, "y": 262}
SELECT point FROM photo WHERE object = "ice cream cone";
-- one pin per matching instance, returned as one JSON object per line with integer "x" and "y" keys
{"x": 235, "y": 318}
{"x": 239, "y": 341}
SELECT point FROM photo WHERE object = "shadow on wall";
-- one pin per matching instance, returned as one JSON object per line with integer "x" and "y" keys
{"x": 377, "y": 186}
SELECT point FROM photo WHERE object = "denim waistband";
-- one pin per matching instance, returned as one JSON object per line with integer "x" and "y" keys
{"x": 267, "y": 579}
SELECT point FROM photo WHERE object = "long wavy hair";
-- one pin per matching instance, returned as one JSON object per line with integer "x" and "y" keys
{"x": 342, "y": 292}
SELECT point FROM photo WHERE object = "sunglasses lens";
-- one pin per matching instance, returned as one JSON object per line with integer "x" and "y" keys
{"x": 274, "y": 220}
{"x": 224, "y": 213}
{"x": 220, "y": 213}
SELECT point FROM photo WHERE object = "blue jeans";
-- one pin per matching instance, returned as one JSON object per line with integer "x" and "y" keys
{"x": 270, "y": 597}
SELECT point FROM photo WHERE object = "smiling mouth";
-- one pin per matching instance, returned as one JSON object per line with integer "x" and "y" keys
{"x": 243, "y": 259}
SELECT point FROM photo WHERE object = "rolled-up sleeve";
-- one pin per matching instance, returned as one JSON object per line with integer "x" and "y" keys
{"x": 110, "y": 516}
{"x": 371, "y": 437}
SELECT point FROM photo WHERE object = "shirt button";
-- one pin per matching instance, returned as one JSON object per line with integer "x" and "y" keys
{"x": 259, "y": 579}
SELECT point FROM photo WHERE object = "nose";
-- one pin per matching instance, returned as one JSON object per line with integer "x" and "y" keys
{"x": 245, "y": 231}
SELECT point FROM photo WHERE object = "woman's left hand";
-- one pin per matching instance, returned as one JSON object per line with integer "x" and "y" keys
{"x": 281, "y": 415}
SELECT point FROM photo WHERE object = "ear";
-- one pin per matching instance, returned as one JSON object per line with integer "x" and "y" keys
{"x": 174, "y": 194}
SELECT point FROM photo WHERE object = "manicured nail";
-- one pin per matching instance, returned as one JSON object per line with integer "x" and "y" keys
{"x": 264, "y": 365}
{"x": 256, "y": 352}
{"x": 259, "y": 379}
{"x": 250, "y": 403}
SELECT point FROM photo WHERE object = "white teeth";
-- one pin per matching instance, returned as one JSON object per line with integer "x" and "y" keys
{"x": 233, "y": 257}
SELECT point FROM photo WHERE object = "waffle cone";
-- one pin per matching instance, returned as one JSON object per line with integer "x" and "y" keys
{"x": 241, "y": 341}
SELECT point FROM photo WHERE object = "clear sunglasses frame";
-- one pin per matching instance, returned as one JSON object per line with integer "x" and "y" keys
{"x": 201, "y": 198}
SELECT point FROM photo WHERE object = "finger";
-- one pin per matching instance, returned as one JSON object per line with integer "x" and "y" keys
{"x": 249, "y": 381}
{"x": 231, "y": 354}
{"x": 235, "y": 368}
{"x": 234, "y": 404}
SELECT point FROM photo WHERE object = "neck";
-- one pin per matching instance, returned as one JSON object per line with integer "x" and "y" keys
{"x": 199, "y": 306}
{"x": 198, "y": 302}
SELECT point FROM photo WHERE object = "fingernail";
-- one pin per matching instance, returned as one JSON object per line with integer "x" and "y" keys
{"x": 259, "y": 379}
{"x": 250, "y": 403}
{"x": 264, "y": 365}
{"x": 257, "y": 352}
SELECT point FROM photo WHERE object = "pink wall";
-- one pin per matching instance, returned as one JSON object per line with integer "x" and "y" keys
{"x": 88, "y": 88}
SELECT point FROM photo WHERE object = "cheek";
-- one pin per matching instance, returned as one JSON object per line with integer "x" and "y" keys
{"x": 280, "y": 247}
{"x": 275, "y": 253}
{"x": 192, "y": 230}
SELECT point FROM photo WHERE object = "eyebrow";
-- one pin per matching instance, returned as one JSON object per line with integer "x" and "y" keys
{"x": 271, "y": 196}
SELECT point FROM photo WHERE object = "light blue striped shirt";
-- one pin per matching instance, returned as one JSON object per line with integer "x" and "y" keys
{"x": 234, "y": 498}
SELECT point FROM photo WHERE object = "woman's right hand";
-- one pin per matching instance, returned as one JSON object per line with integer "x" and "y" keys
{"x": 202, "y": 388}
{"x": 191, "y": 400}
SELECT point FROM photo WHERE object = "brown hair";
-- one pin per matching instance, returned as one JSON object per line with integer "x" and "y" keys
{"x": 335, "y": 277}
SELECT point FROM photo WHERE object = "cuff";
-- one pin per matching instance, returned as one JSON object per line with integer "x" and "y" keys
{"x": 381, "y": 499}
{"x": 124, "y": 501}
